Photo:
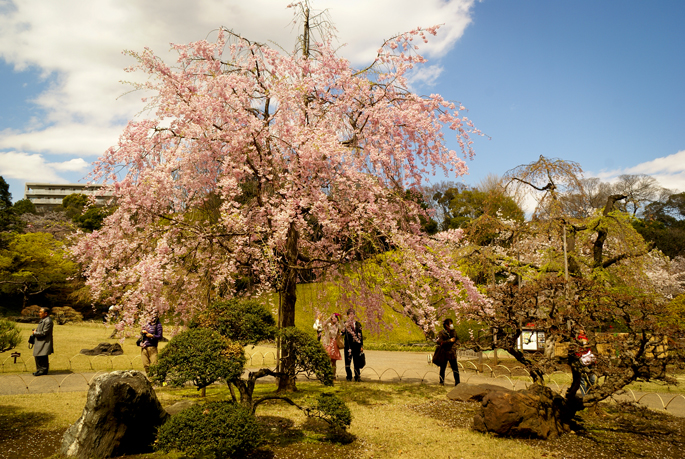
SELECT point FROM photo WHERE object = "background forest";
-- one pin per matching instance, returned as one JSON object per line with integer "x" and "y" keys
{"x": 36, "y": 270}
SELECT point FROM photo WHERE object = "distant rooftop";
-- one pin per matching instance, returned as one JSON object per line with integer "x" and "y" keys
{"x": 50, "y": 195}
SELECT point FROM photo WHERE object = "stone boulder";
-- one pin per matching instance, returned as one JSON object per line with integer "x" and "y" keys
{"x": 121, "y": 417}
{"x": 104, "y": 349}
{"x": 465, "y": 392}
{"x": 177, "y": 407}
{"x": 530, "y": 413}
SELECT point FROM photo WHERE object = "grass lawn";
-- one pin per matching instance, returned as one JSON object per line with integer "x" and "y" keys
{"x": 383, "y": 415}
{"x": 389, "y": 421}
{"x": 69, "y": 339}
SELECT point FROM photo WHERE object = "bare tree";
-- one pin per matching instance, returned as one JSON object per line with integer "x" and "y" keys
{"x": 640, "y": 190}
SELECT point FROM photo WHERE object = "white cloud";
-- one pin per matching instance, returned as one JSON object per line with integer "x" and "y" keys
{"x": 425, "y": 76}
{"x": 669, "y": 171}
{"x": 85, "y": 139}
{"x": 73, "y": 165}
{"x": 33, "y": 167}
{"x": 81, "y": 43}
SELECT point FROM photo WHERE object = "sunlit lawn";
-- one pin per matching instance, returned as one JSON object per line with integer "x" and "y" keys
{"x": 384, "y": 424}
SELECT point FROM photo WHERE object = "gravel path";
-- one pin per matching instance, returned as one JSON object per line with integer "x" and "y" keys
{"x": 382, "y": 366}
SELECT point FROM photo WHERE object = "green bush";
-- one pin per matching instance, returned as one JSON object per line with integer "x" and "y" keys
{"x": 216, "y": 429}
{"x": 24, "y": 206}
{"x": 10, "y": 336}
{"x": 198, "y": 355}
{"x": 310, "y": 356}
{"x": 65, "y": 314}
{"x": 244, "y": 321}
{"x": 334, "y": 411}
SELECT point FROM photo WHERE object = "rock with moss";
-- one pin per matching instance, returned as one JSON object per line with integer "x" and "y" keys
{"x": 121, "y": 417}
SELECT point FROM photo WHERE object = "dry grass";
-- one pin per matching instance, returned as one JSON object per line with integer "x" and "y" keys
{"x": 389, "y": 421}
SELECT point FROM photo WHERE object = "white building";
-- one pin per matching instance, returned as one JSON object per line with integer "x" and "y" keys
{"x": 46, "y": 196}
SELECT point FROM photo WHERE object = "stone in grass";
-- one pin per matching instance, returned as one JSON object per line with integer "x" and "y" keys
{"x": 465, "y": 392}
{"x": 121, "y": 417}
{"x": 530, "y": 413}
{"x": 104, "y": 349}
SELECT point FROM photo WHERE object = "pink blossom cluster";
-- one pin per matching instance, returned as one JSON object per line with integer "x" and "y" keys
{"x": 257, "y": 164}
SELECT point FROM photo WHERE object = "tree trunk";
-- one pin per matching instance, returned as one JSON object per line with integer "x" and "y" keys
{"x": 286, "y": 383}
{"x": 573, "y": 266}
{"x": 602, "y": 233}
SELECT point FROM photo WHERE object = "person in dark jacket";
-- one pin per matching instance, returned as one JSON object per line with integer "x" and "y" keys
{"x": 43, "y": 345}
{"x": 445, "y": 352}
{"x": 354, "y": 346}
{"x": 151, "y": 334}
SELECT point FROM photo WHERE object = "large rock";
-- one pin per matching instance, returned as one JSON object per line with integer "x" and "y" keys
{"x": 104, "y": 349}
{"x": 465, "y": 392}
{"x": 121, "y": 416}
{"x": 530, "y": 413}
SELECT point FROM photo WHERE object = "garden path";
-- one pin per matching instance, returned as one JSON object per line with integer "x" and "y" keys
{"x": 382, "y": 366}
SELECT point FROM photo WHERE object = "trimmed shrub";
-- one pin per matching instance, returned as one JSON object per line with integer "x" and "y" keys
{"x": 31, "y": 311}
{"x": 334, "y": 411}
{"x": 216, "y": 429}
{"x": 65, "y": 314}
{"x": 310, "y": 356}
{"x": 198, "y": 355}
{"x": 244, "y": 321}
{"x": 10, "y": 336}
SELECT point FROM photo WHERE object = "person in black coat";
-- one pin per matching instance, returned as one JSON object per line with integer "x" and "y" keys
{"x": 354, "y": 346}
{"x": 43, "y": 344}
{"x": 445, "y": 352}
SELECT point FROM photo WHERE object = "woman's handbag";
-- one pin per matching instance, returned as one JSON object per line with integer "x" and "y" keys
{"x": 439, "y": 356}
{"x": 139, "y": 341}
{"x": 340, "y": 341}
{"x": 32, "y": 341}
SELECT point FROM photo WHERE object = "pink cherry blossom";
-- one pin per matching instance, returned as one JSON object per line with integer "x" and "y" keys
{"x": 258, "y": 168}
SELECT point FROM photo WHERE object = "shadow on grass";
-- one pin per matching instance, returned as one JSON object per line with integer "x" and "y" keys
{"x": 365, "y": 393}
{"x": 312, "y": 439}
{"x": 21, "y": 435}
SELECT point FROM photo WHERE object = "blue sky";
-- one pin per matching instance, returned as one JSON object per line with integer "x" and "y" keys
{"x": 597, "y": 82}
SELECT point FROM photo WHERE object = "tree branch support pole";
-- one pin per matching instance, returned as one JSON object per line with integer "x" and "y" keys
{"x": 565, "y": 257}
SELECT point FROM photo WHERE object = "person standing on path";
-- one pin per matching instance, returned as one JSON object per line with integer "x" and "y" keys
{"x": 318, "y": 327}
{"x": 354, "y": 346}
{"x": 331, "y": 339}
{"x": 43, "y": 345}
{"x": 586, "y": 358}
{"x": 445, "y": 352}
{"x": 151, "y": 334}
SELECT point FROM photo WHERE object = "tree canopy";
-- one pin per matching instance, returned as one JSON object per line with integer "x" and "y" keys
{"x": 269, "y": 165}
{"x": 33, "y": 263}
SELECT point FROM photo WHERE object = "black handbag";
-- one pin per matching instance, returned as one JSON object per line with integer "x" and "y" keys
{"x": 439, "y": 356}
{"x": 139, "y": 341}
{"x": 361, "y": 360}
{"x": 32, "y": 341}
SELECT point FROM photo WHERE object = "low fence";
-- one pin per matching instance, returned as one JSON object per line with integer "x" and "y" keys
{"x": 90, "y": 363}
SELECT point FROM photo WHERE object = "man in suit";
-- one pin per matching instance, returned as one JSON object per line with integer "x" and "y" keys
{"x": 354, "y": 346}
{"x": 43, "y": 345}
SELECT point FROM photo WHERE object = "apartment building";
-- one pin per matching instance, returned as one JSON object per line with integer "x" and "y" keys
{"x": 46, "y": 196}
